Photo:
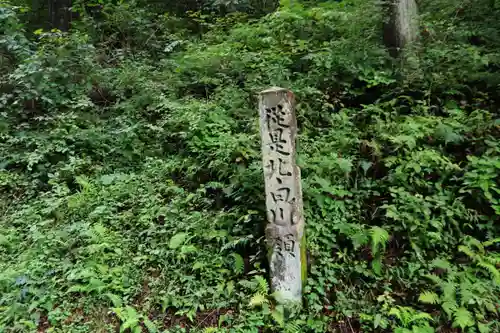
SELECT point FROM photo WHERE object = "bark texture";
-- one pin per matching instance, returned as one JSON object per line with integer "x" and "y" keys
{"x": 401, "y": 27}
{"x": 60, "y": 14}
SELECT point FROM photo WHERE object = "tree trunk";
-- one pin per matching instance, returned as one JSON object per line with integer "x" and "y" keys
{"x": 401, "y": 26}
{"x": 60, "y": 14}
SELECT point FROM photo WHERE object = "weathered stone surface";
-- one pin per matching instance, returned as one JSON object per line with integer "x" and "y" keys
{"x": 285, "y": 228}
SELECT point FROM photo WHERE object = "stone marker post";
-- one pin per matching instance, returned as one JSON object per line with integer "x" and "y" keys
{"x": 285, "y": 227}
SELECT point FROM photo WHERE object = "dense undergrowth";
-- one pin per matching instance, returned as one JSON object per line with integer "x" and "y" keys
{"x": 131, "y": 189}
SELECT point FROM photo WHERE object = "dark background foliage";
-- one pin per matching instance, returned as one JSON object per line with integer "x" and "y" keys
{"x": 131, "y": 190}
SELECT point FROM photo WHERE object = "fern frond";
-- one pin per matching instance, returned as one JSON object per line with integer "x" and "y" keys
{"x": 491, "y": 242}
{"x": 493, "y": 259}
{"x": 379, "y": 239}
{"x": 292, "y": 328}
{"x": 396, "y": 312}
{"x": 468, "y": 251}
{"x": 441, "y": 263}
{"x": 421, "y": 316}
{"x": 434, "y": 278}
{"x": 495, "y": 274}
{"x": 449, "y": 307}
{"x": 474, "y": 242}
{"x": 239, "y": 263}
{"x": 238, "y": 242}
{"x": 250, "y": 285}
{"x": 463, "y": 318}
{"x": 377, "y": 265}
{"x": 466, "y": 293}
{"x": 262, "y": 285}
{"x": 406, "y": 314}
{"x": 449, "y": 291}
{"x": 210, "y": 330}
{"x": 279, "y": 317}
{"x": 429, "y": 297}
{"x": 257, "y": 300}
{"x": 149, "y": 325}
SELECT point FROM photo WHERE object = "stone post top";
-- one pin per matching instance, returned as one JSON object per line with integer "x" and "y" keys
{"x": 273, "y": 90}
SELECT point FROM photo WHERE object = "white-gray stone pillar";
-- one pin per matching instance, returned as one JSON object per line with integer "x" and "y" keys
{"x": 285, "y": 227}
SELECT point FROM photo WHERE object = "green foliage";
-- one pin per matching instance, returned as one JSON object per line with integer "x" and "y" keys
{"x": 131, "y": 189}
{"x": 429, "y": 297}
{"x": 131, "y": 320}
{"x": 464, "y": 296}
{"x": 411, "y": 320}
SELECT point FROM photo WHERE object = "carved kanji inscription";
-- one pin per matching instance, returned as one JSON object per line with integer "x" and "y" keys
{"x": 283, "y": 191}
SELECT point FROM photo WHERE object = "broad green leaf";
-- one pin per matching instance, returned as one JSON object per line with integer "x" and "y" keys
{"x": 116, "y": 300}
{"x": 130, "y": 323}
{"x": 188, "y": 249}
{"x": 198, "y": 265}
{"x": 377, "y": 265}
{"x": 131, "y": 313}
{"x": 377, "y": 320}
{"x": 76, "y": 289}
{"x": 365, "y": 166}
{"x": 345, "y": 165}
{"x": 107, "y": 179}
{"x": 177, "y": 240}
{"x": 483, "y": 328}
